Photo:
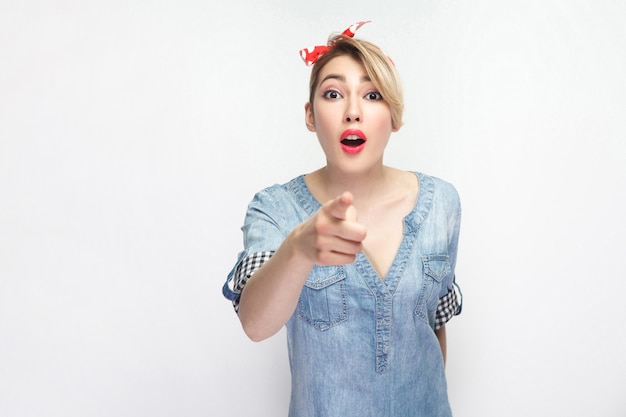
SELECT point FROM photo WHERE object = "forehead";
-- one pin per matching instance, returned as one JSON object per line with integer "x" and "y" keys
{"x": 343, "y": 66}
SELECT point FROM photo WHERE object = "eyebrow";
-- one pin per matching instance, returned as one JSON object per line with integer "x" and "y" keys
{"x": 341, "y": 78}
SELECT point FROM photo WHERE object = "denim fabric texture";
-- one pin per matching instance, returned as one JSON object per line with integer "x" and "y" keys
{"x": 360, "y": 345}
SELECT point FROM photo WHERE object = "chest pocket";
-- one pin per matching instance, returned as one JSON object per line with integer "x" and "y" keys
{"x": 436, "y": 268}
{"x": 322, "y": 303}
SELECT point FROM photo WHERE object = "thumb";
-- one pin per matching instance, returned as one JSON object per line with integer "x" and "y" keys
{"x": 351, "y": 214}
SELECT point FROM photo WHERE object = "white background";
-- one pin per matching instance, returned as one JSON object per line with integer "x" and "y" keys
{"x": 134, "y": 133}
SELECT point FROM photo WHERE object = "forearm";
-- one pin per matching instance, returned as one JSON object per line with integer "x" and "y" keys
{"x": 441, "y": 336}
{"x": 330, "y": 237}
{"x": 271, "y": 295}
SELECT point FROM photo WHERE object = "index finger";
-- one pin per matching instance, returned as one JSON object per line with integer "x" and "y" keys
{"x": 339, "y": 206}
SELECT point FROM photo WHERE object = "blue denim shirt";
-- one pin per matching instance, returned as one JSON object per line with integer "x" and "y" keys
{"x": 359, "y": 345}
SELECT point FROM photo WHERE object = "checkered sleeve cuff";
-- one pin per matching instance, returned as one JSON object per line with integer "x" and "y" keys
{"x": 245, "y": 269}
{"x": 448, "y": 307}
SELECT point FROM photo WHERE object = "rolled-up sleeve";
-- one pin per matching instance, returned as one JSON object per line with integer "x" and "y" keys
{"x": 451, "y": 298}
{"x": 263, "y": 232}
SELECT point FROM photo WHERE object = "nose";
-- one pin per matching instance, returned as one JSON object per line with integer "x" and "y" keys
{"x": 353, "y": 112}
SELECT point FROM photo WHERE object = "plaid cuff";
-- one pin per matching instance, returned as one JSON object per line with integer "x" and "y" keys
{"x": 449, "y": 306}
{"x": 245, "y": 269}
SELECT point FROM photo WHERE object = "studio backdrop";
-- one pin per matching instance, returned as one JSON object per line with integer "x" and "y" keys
{"x": 134, "y": 134}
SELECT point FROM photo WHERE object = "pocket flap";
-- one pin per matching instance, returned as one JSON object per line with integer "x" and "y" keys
{"x": 437, "y": 266}
{"x": 323, "y": 276}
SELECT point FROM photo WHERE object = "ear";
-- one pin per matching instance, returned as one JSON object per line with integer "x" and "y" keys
{"x": 394, "y": 129}
{"x": 309, "y": 119}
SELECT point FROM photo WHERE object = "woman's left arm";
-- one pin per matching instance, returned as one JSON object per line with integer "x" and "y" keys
{"x": 441, "y": 336}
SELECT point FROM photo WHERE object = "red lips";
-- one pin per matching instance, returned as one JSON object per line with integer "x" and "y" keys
{"x": 353, "y": 141}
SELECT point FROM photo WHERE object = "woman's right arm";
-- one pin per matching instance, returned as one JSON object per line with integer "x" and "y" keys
{"x": 331, "y": 236}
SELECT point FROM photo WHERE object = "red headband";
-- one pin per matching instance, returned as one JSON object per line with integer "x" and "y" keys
{"x": 311, "y": 55}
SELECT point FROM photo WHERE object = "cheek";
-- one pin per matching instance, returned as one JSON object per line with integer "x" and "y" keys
{"x": 381, "y": 119}
{"x": 324, "y": 116}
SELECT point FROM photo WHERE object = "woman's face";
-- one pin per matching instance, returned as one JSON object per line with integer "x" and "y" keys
{"x": 350, "y": 117}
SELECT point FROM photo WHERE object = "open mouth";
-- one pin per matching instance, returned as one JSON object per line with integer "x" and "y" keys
{"x": 353, "y": 141}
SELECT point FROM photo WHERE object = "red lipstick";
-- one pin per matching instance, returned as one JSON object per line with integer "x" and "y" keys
{"x": 353, "y": 141}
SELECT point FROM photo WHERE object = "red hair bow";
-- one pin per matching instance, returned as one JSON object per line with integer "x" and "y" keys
{"x": 311, "y": 55}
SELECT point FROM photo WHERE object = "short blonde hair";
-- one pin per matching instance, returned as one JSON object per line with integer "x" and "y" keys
{"x": 378, "y": 67}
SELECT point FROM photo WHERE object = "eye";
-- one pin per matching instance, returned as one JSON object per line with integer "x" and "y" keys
{"x": 373, "y": 95}
{"x": 331, "y": 94}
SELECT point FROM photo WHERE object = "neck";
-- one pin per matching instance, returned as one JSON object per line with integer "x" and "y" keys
{"x": 364, "y": 186}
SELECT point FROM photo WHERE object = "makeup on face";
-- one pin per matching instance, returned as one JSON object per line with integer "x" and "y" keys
{"x": 347, "y": 105}
{"x": 353, "y": 141}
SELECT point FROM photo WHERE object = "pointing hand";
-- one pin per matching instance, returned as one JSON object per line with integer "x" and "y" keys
{"x": 332, "y": 236}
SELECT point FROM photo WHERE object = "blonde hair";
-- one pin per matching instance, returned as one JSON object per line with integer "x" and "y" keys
{"x": 378, "y": 67}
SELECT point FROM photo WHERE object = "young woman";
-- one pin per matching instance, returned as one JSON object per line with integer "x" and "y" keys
{"x": 357, "y": 258}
